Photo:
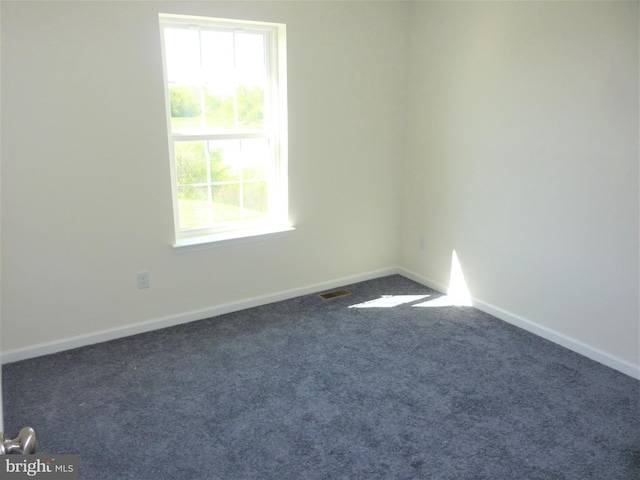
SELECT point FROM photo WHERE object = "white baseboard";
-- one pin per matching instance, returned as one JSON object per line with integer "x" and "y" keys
{"x": 427, "y": 282}
{"x": 56, "y": 346}
{"x": 577, "y": 346}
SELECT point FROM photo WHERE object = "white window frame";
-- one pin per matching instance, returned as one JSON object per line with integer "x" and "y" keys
{"x": 277, "y": 222}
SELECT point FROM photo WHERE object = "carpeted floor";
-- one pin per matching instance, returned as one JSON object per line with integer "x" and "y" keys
{"x": 312, "y": 389}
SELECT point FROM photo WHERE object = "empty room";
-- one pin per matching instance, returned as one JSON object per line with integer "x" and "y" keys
{"x": 321, "y": 239}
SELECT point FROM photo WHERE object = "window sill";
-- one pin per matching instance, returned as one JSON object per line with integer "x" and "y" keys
{"x": 227, "y": 239}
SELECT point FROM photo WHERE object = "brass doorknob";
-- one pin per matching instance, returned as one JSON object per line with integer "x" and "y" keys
{"x": 24, "y": 443}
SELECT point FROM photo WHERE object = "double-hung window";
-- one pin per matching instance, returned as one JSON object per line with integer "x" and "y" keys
{"x": 225, "y": 86}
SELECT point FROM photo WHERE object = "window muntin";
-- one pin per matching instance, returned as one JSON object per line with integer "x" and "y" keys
{"x": 233, "y": 172}
{"x": 227, "y": 123}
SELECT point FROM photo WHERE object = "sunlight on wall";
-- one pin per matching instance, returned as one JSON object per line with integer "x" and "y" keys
{"x": 458, "y": 290}
{"x": 457, "y": 295}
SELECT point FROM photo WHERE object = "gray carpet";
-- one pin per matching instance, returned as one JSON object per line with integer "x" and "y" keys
{"x": 311, "y": 389}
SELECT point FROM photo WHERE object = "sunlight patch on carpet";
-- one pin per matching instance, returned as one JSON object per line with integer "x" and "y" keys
{"x": 388, "y": 301}
{"x": 443, "y": 301}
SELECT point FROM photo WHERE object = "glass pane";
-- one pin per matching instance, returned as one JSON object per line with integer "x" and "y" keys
{"x": 225, "y": 162}
{"x": 246, "y": 104}
{"x": 191, "y": 162}
{"x": 233, "y": 160}
{"x": 218, "y": 65}
{"x": 186, "y": 111}
{"x": 255, "y": 200}
{"x": 182, "y": 51}
{"x": 220, "y": 109}
{"x": 250, "y": 59}
{"x": 218, "y": 68}
{"x": 234, "y": 75}
{"x": 226, "y": 203}
{"x": 255, "y": 158}
{"x": 222, "y": 181}
{"x": 252, "y": 76}
{"x": 250, "y": 107}
{"x": 193, "y": 207}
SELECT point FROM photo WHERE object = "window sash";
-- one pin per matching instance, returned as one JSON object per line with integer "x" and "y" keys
{"x": 269, "y": 177}
{"x": 272, "y": 126}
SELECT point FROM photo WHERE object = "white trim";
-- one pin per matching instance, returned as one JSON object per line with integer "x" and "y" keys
{"x": 188, "y": 137}
{"x": 227, "y": 239}
{"x": 230, "y": 24}
{"x": 47, "y": 348}
{"x": 411, "y": 275}
{"x": 274, "y": 130}
{"x": 561, "y": 339}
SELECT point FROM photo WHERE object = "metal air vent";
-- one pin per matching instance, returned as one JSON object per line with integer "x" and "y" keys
{"x": 341, "y": 292}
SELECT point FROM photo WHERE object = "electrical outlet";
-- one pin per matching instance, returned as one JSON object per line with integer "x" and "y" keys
{"x": 421, "y": 242}
{"x": 143, "y": 280}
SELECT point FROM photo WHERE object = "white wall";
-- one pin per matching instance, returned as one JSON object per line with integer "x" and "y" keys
{"x": 1, "y": 407}
{"x": 523, "y": 157}
{"x": 86, "y": 197}
{"x": 521, "y": 153}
